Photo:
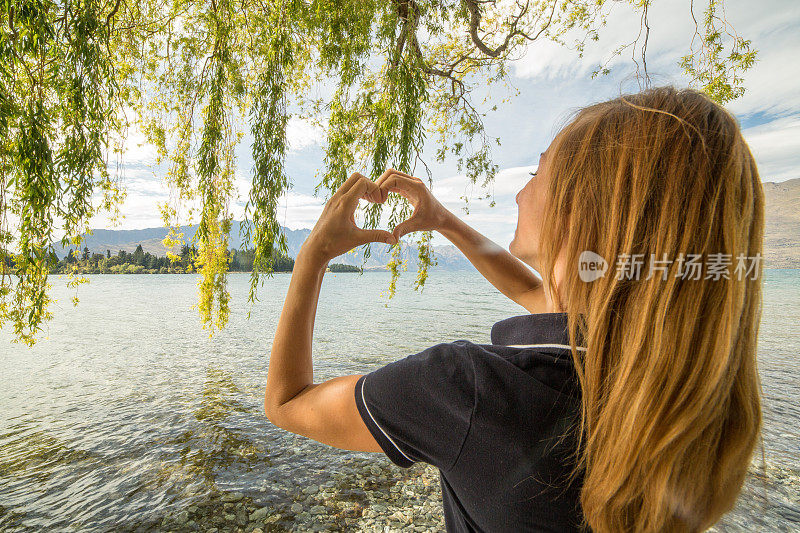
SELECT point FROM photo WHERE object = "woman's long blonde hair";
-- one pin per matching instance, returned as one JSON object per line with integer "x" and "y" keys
{"x": 671, "y": 409}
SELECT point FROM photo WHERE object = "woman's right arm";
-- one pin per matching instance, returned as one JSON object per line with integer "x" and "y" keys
{"x": 507, "y": 273}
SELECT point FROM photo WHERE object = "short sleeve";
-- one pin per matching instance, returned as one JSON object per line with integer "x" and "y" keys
{"x": 420, "y": 408}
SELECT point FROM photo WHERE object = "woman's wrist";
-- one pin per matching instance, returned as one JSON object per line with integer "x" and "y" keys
{"x": 312, "y": 254}
{"x": 448, "y": 224}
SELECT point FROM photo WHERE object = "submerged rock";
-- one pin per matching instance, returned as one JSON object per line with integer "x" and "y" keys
{"x": 312, "y": 489}
{"x": 259, "y": 514}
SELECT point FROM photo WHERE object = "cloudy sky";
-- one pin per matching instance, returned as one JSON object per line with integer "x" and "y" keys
{"x": 552, "y": 81}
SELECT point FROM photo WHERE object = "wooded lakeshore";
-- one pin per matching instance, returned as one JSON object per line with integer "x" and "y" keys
{"x": 141, "y": 262}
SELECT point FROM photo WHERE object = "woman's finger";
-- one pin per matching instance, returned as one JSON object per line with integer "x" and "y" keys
{"x": 354, "y": 178}
{"x": 376, "y": 235}
{"x": 391, "y": 172}
{"x": 388, "y": 172}
{"x": 375, "y": 194}
{"x": 363, "y": 188}
{"x": 406, "y": 226}
{"x": 386, "y": 175}
{"x": 402, "y": 192}
{"x": 401, "y": 182}
{"x": 383, "y": 193}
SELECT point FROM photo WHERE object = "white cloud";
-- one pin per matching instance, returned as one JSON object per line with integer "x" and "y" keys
{"x": 136, "y": 149}
{"x": 669, "y": 31}
{"x": 771, "y": 83}
{"x": 776, "y": 148}
{"x": 498, "y": 222}
{"x": 302, "y": 133}
{"x": 298, "y": 211}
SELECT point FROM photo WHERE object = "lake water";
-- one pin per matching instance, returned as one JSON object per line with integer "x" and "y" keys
{"x": 126, "y": 410}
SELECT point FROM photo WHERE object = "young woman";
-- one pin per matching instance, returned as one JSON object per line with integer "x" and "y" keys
{"x": 628, "y": 398}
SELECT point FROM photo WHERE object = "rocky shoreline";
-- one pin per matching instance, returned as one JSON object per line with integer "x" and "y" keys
{"x": 377, "y": 497}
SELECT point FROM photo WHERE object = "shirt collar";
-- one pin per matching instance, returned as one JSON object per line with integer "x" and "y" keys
{"x": 533, "y": 329}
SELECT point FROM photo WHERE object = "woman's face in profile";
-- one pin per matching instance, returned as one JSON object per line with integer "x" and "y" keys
{"x": 530, "y": 202}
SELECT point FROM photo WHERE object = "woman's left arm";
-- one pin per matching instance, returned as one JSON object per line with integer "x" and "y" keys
{"x": 325, "y": 412}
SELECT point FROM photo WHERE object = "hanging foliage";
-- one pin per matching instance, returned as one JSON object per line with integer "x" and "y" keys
{"x": 195, "y": 76}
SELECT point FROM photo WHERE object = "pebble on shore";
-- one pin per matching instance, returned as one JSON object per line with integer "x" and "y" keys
{"x": 373, "y": 498}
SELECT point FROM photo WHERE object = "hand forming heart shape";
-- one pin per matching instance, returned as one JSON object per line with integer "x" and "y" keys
{"x": 336, "y": 231}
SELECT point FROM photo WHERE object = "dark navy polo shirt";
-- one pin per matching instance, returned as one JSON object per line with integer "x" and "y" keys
{"x": 492, "y": 418}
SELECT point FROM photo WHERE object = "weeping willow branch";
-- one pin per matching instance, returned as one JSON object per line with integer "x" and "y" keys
{"x": 268, "y": 126}
{"x": 199, "y": 75}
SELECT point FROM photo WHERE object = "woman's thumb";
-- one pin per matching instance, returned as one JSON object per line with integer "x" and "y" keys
{"x": 379, "y": 235}
{"x": 401, "y": 229}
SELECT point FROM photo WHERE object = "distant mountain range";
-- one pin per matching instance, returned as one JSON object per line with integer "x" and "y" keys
{"x": 448, "y": 257}
{"x": 782, "y": 228}
{"x": 781, "y": 239}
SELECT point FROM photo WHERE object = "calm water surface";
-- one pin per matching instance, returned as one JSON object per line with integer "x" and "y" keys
{"x": 126, "y": 409}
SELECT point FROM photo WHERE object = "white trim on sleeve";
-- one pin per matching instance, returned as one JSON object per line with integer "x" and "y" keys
{"x": 364, "y": 401}
{"x": 566, "y": 346}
